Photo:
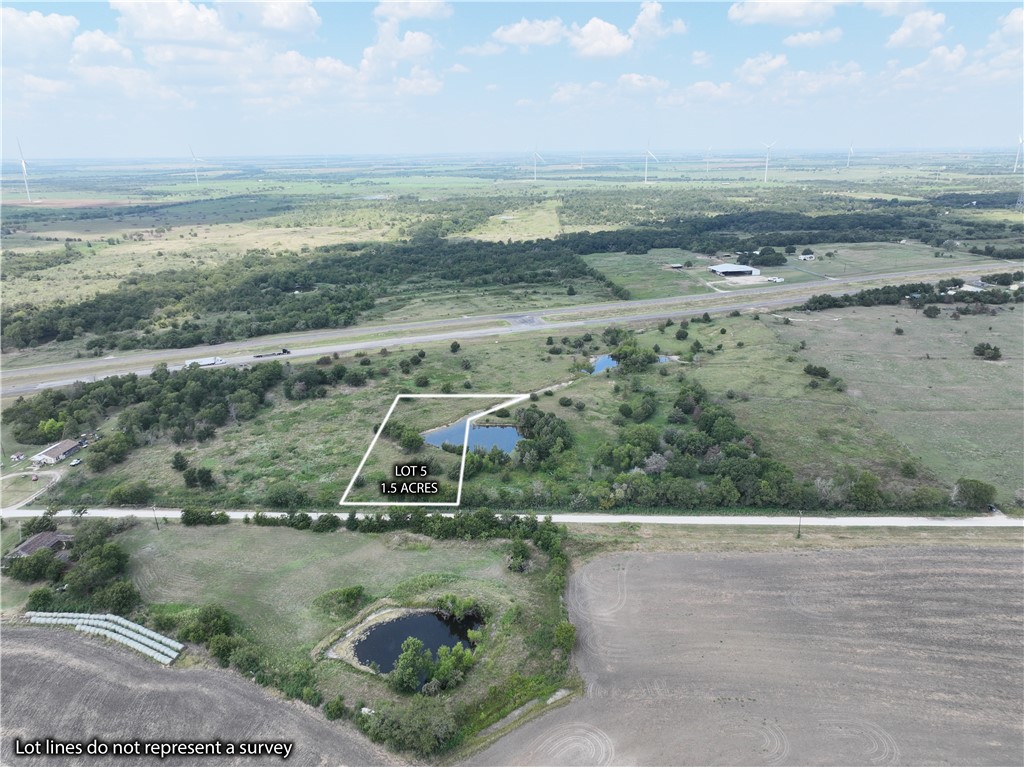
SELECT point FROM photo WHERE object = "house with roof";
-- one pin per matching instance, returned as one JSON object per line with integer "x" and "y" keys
{"x": 55, "y": 453}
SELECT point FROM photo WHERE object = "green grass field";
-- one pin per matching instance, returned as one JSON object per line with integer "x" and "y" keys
{"x": 956, "y": 413}
{"x": 269, "y": 578}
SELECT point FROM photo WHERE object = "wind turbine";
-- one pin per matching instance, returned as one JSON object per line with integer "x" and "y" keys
{"x": 849, "y": 155}
{"x": 535, "y": 158}
{"x": 648, "y": 154}
{"x": 1016, "y": 160}
{"x": 24, "y": 171}
{"x": 767, "y": 154}
{"x": 707, "y": 161}
{"x": 195, "y": 164}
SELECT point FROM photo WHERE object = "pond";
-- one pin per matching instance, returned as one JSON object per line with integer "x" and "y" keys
{"x": 383, "y": 642}
{"x": 605, "y": 362}
{"x": 480, "y": 436}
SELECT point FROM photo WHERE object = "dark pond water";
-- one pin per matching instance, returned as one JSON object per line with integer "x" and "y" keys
{"x": 383, "y": 643}
{"x": 486, "y": 437}
{"x": 605, "y": 362}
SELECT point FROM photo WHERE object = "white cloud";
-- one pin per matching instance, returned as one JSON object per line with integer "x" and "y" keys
{"x": 894, "y": 7}
{"x": 799, "y": 13}
{"x": 134, "y": 83}
{"x": 700, "y": 59}
{"x": 575, "y": 92}
{"x": 169, "y": 20}
{"x": 97, "y": 46}
{"x": 919, "y": 30}
{"x": 289, "y": 16}
{"x": 395, "y": 10}
{"x": 1000, "y": 58}
{"x": 525, "y": 33}
{"x": 754, "y": 71}
{"x": 648, "y": 23}
{"x": 492, "y": 87}
{"x": 802, "y": 83}
{"x": 42, "y": 87}
{"x": 489, "y": 48}
{"x": 457, "y": 69}
{"x": 420, "y": 82}
{"x": 598, "y": 38}
{"x": 390, "y": 48}
{"x": 32, "y": 35}
{"x": 637, "y": 82}
{"x": 814, "y": 39}
{"x": 705, "y": 89}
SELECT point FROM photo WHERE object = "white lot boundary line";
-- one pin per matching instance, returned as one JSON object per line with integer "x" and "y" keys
{"x": 511, "y": 399}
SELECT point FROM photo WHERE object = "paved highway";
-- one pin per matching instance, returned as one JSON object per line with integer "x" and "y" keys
{"x": 320, "y": 342}
{"x": 989, "y": 520}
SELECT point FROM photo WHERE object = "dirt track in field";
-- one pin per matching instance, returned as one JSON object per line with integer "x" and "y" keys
{"x": 64, "y": 686}
{"x": 886, "y": 656}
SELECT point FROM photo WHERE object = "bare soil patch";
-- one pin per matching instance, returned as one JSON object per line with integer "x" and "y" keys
{"x": 65, "y": 686}
{"x": 881, "y": 656}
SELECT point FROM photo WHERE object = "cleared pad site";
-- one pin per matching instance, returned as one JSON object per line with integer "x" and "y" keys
{"x": 873, "y": 656}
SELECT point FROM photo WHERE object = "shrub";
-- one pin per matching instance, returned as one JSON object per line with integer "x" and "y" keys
{"x": 455, "y": 346}
{"x": 286, "y": 495}
{"x": 130, "y": 494}
{"x": 422, "y": 381}
{"x": 818, "y": 371}
{"x": 579, "y": 405}
{"x": 335, "y": 709}
{"x": 973, "y": 494}
{"x": 565, "y": 636}
{"x": 206, "y": 622}
{"x": 179, "y": 462}
{"x": 899, "y": 331}
{"x": 326, "y": 523}
{"x": 341, "y": 603}
{"x": 987, "y": 351}
{"x": 222, "y": 646}
{"x": 565, "y": 401}
{"x": 932, "y": 312}
{"x": 191, "y": 516}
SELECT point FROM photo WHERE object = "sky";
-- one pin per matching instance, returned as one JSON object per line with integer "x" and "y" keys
{"x": 151, "y": 79}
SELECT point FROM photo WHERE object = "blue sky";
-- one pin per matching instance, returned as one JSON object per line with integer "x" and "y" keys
{"x": 147, "y": 79}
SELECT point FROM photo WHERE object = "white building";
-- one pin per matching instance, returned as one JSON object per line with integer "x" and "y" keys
{"x": 734, "y": 270}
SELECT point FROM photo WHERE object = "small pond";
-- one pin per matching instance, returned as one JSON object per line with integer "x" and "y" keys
{"x": 383, "y": 642}
{"x": 605, "y": 362}
{"x": 480, "y": 436}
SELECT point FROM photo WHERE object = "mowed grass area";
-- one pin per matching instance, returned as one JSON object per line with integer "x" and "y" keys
{"x": 270, "y": 577}
{"x": 959, "y": 415}
{"x": 649, "y": 276}
{"x": 16, "y": 489}
{"x": 427, "y": 302}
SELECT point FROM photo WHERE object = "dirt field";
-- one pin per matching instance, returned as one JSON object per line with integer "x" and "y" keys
{"x": 71, "y": 688}
{"x": 883, "y": 656}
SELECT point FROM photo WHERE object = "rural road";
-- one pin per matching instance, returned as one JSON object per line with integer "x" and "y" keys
{"x": 990, "y": 520}
{"x": 25, "y": 380}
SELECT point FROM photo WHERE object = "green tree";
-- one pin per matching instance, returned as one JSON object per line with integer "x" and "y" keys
{"x": 412, "y": 666}
{"x": 179, "y": 462}
{"x": 565, "y": 636}
{"x": 455, "y": 346}
{"x": 865, "y": 492}
{"x": 973, "y": 494}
